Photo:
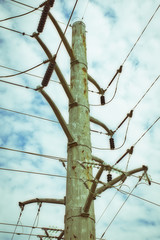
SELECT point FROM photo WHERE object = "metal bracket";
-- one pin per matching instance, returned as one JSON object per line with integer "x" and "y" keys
{"x": 84, "y": 214}
{"x": 74, "y": 104}
{"x": 72, "y": 144}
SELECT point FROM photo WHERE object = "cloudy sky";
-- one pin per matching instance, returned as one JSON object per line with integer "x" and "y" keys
{"x": 112, "y": 29}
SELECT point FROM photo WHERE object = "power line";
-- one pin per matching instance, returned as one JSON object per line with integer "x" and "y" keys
{"x": 150, "y": 180}
{"x": 153, "y": 203}
{"x": 42, "y": 118}
{"x": 35, "y": 154}
{"x": 124, "y": 141}
{"x": 128, "y": 115}
{"x": 114, "y": 94}
{"x": 27, "y": 234}
{"x": 85, "y": 9}
{"x": 25, "y": 71}
{"x": 130, "y": 52}
{"x": 147, "y": 131}
{"x": 29, "y": 115}
{"x": 33, "y": 75}
{"x": 140, "y": 35}
{"x": 21, "y": 15}
{"x": 24, "y": 4}
{"x": 26, "y": 226}
{"x": 20, "y": 215}
{"x": 146, "y": 92}
{"x": 108, "y": 205}
{"x": 119, "y": 210}
{"x": 30, "y": 172}
{"x": 17, "y": 85}
{"x": 16, "y": 31}
{"x": 67, "y": 25}
{"x": 38, "y": 212}
{"x": 29, "y": 6}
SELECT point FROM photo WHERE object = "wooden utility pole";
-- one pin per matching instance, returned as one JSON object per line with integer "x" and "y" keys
{"x": 81, "y": 188}
{"x": 78, "y": 224}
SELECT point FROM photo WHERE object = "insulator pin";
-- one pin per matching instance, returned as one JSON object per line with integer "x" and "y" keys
{"x": 102, "y": 100}
{"x": 109, "y": 177}
{"x": 112, "y": 145}
{"x": 43, "y": 17}
{"x": 48, "y": 74}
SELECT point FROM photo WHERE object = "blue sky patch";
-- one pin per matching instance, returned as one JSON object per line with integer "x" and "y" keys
{"x": 110, "y": 13}
{"x": 135, "y": 62}
{"x": 147, "y": 223}
{"x": 65, "y": 11}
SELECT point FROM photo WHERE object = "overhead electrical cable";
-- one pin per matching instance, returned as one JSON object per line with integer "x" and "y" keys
{"x": 29, "y": 115}
{"x": 35, "y": 154}
{"x": 26, "y": 226}
{"x": 25, "y": 71}
{"x": 24, "y": 4}
{"x": 33, "y": 75}
{"x": 130, "y": 114}
{"x": 146, "y": 93}
{"x": 124, "y": 141}
{"x": 114, "y": 94}
{"x": 17, "y": 85}
{"x": 120, "y": 69}
{"x": 41, "y": 118}
{"x": 38, "y": 212}
{"x": 27, "y": 234}
{"x": 30, "y": 74}
{"x": 67, "y": 26}
{"x": 141, "y": 35}
{"x": 108, "y": 205}
{"x": 146, "y": 131}
{"x": 29, "y": 6}
{"x": 16, "y": 31}
{"x": 31, "y": 172}
{"x": 143, "y": 199}
{"x": 130, "y": 151}
{"x": 20, "y": 15}
{"x": 20, "y": 215}
{"x": 85, "y": 9}
{"x": 120, "y": 208}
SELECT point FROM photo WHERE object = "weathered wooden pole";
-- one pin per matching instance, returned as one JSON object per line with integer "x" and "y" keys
{"x": 79, "y": 224}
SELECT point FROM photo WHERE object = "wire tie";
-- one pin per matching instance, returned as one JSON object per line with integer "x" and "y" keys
{"x": 120, "y": 69}
{"x": 130, "y": 114}
{"x": 130, "y": 151}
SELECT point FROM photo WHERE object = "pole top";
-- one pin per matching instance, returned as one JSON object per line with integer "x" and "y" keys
{"x": 79, "y": 22}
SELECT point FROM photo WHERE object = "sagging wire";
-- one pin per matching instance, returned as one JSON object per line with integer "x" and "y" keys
{"x": 120, "y": 69}
{"x": 141, "y": 34}
{"x": 20, "y": 15}
{"x": 102, "y": 98}
{"x": 20, "y": 215}
{"x": 18, "y": 85}
{"x": 129, "y": 115}
{"x": 130, "y": 151}
{"x": 36, "y": 219}
{"x": 25, "y": 71}
{"x": 16, "y": 31}
{"x": 85, "y": 9}
{"x": 111, "y": 140}
{"x": 122, "y": 205}
{"x": 109, "y": 204}
{"x": 33, "y": 75}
